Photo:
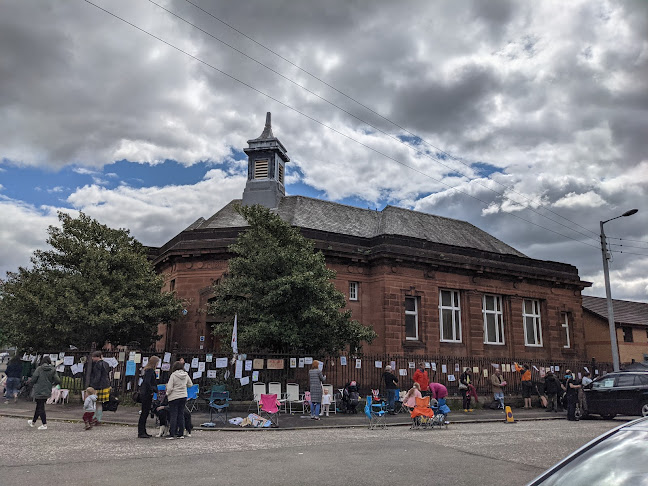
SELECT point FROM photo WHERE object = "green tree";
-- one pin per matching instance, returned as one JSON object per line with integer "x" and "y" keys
{"x": 95, "y": 285}
{"x": 282, "y": 292}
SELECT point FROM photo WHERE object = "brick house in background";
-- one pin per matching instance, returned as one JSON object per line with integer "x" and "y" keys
{"x": 428, "y": 285}
{"x": 631, "y": 320}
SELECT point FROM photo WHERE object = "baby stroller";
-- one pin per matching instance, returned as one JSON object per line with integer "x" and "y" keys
{"x": 350, "y": 398}
{"x": 441, "y": 411}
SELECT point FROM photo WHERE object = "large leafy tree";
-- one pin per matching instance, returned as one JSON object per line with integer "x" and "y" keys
{"x": 282, "y": 292}
{"x": 94, "y": 285}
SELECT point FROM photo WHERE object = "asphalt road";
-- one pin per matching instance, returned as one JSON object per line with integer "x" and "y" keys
{"x": 470, "y": 454}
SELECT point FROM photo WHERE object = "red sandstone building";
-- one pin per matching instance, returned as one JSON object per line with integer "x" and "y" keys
{"x": 428, "y": 285}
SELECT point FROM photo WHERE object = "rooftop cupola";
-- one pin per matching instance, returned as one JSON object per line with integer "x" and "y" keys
{"x": 266, "y": 169}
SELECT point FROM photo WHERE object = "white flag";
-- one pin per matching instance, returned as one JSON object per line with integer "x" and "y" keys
{"x": 234, "y": 337}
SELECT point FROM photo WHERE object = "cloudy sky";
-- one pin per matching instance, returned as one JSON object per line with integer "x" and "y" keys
{"x": 528, "y": 119}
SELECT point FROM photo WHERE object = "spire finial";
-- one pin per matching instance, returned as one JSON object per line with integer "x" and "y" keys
{"x": 267, "y": 131}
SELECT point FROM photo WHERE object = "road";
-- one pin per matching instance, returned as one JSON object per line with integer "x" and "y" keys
{"x": 468, "y": 454}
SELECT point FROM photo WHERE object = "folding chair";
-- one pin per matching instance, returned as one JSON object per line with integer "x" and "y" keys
{"x": 307, "y": 402}
{"x": 376, "y": 417}
{"x": 258, "y": 389}
{"x": 422, "y": 415}
{"x": 192, "y": 398}
{"x": 275, "y": 387}
{"x": 219, "y": 403}
{"x": 269, "y": 409}
{"x": 293, "y": 397}
{"x": 333, "y": 399}
{"x": 207, "y": 392}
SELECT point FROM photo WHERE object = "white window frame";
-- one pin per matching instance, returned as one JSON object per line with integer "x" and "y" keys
{"x": 537, "y": 323}
{"x": 454, "y": 308}
{"x": 354, "y": 289}
{"x": 565, "y": 326}
{"x": 415, "y": 314}
{"x": 499, "y": 319}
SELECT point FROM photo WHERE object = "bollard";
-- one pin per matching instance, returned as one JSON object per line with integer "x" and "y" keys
{"x": 509, "y": 415}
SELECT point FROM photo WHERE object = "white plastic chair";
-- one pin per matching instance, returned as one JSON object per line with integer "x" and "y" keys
{"x": 294, "y": 398}
{"x": 333, "y": 406}
{"x": 258, "y": 389}
{"x": 274, "y": 388}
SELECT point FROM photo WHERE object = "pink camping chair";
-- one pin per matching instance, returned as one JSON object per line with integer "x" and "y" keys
{"x": 269, "y": 408}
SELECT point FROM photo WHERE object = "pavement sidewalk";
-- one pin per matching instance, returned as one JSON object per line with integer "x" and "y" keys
{"x": 128, "y": 415}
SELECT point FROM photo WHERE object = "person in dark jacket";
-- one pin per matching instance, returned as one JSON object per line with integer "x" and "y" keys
{"x": 572, "y": 385}
{"x": 100, "y": 381}
{"x": 465, "y": 380}
{"x": 553, "y": 389}
{"x": 43, "y": 380}
{"x": 14, "y": 374}
{"x": 147, "y": 389}
{"x": 391, "y": 384}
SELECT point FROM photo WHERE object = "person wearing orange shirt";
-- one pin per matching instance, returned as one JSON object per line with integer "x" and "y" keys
{"x": 527, "y": 386}
{"x": 421, "y": 377}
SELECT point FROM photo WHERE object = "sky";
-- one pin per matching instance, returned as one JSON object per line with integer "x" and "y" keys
{"x": 527, "y": 119}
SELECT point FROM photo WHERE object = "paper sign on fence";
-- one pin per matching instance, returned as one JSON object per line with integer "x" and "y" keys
{"x": 343, "y": 360}
{"x": 248, "y": 365}
{"x": 209, "y": 358}
{"x": 358, "y": 363}
{"x": 221, "y": 362}
{"x": 255, "y": 376}
{"x": 239, "y": 370}
{"x": 301, "y": 362}
{"x": 293, "y": 362}
{"x": 167, "y": 357}
{"x": 402, "y": 372}
{"x": 130, "y": 368}
{"x": 444, "y": 368}
{"x": 201, "y": 366}
{"x": 211, "y": 373}
{"x": 378, "y": 364}
{"x": 68, "y": 360}
{"x": 245, "y": 381}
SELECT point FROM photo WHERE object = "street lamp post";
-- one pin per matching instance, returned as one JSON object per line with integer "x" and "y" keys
{"x": 610, "y": 307}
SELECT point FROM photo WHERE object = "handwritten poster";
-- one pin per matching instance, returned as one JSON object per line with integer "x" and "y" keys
{"x": 130, "y": 368}
{"x": 239, "y": 369}
{"x": 275, "y": 364}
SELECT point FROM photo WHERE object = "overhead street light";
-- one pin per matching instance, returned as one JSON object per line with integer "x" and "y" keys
{"x": 610, "y": 307}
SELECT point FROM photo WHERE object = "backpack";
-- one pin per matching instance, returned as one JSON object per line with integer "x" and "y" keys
{"x": 494, "y": 405}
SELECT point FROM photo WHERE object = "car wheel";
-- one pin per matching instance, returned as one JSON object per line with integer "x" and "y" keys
{"x": 644, "y": 409}
{"x": 608, "y": 416}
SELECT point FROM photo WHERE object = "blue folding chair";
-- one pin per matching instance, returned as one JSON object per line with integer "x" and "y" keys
{"x": 192, "y": 397}
{"x": 160, "y": 388}
{"x": 376, "y": 415}
{"x": 218, "y": 404}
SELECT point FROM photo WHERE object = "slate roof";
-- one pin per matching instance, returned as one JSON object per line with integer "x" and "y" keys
{"x": 625, "y": 311}
{"x": 315, "y": 214}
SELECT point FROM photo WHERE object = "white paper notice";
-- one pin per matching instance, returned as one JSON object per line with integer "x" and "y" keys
{"x": 433, "y": 366}
{"x": 196, "y": 375}
{"x": 60, "y": 368}
{"x": 411, "y": 365}
{"x": 308, "y": 360}
{"x": 248, "y": 364}
{"x": 221, "y": 362}
{"x": 144, "y": 360}
{"x": 211, "y": 373}
{"x": 255, "y": 376}
{"x": 209, "y": 358}
{"x": 187, "y": 366}
{"x": 451, "y": 378}
{"x": 301, "y": 362}
{"x": 201, "y": 366}
{"x": 444, "y": 368}
{"x": 112, "y": 362}
{"x": 194, "y": 363}
{"x": 456, "y": 366}
{"x": 378, "y": 364}
{"x": 68, "y": 360}
{"x": 293, "y": 363}
{"x": 245, "y": 381}
{"x": 320, "y": 365}
{"x": 402, "y": 372}
{"x": 167, "y": 357}
{"x": 239, "y": 369}
{"x": 393, "y": 365}
{"x": 343, "y": 361}
{"x": 358, "y": 363}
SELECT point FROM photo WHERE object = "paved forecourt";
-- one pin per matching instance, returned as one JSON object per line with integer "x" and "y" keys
{"x": 465, "y": 453}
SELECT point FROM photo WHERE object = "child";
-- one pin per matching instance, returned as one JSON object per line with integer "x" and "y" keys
{"x": 326, "y": 401}
{"x": 89, "y": 407}
{"x": 409, "y": 400}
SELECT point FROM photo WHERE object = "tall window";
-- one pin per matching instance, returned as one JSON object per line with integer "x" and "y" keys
{"x": 627, "y": 334}
{"x": 353, "y": 290}
{"x": 450, "y": 316}
{"x": 493, "y": 319}
{"x": 261, "y": 169}
{"x": 411, "y": 318}
{"x": 532, "y": 324}
{"x": 565, "y": 326}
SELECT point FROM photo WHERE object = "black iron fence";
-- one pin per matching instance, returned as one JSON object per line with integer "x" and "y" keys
{"x": 207, "y": 368}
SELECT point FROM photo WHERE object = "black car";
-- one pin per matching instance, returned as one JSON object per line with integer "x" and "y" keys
{"x": 618, "y": 457}
{"x": 618, "y": 393}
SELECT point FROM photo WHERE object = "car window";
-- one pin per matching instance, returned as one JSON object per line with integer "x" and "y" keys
{"x": 643, "y": 379}
{"x": 626, "y": 380}
{"x": 607, "y": 382}
{"x": 619, "y": 460}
